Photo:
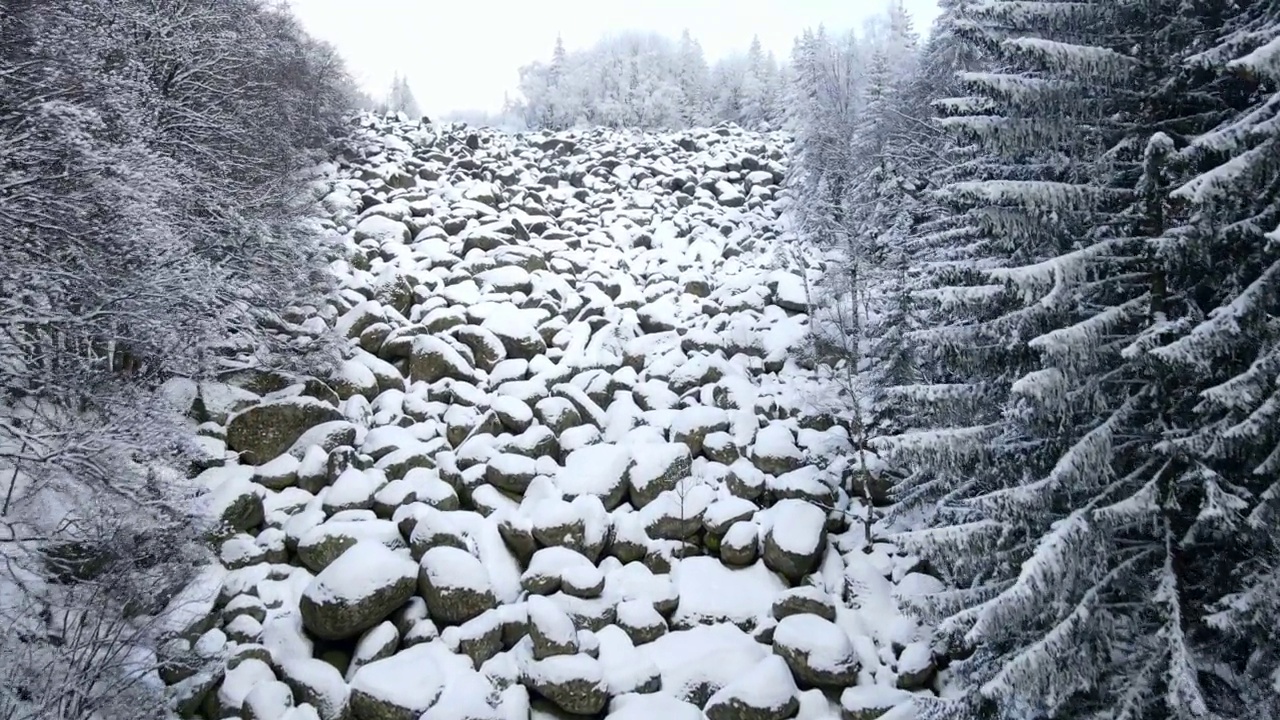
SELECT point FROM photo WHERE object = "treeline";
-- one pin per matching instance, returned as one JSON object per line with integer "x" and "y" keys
{"x": 1058, "y": 232}
{"x": 648, "y": 81}
{"x": 152, "y": 167}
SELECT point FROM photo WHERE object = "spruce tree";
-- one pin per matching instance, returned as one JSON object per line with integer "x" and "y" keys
{"x": 1057, "y": 515}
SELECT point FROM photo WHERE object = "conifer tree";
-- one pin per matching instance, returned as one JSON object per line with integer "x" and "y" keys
{"x": 1056, "y": 516}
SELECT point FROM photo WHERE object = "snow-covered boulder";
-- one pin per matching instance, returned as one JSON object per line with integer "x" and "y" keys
{"x": 455, "y": 585}
{"x": 635, "y": 706}
{"x": 598, "y": 470}
{"x": 548, "y": 566}
{"x": 434, "y": 359}
{"x": 574, "y": 683}
{"x": 380, "y": 228}
{"x": 517, "y": 331}
{"x": 698, "y": 662}
{"x": 316, "y": 683}
{"x": 740, "y": 545}
{"x": 640, "y": 621}
{"x": 405, "y": 685}
{"x": 766, "y": 692}
{"x": 324, "y": 543}
{"x": 656, "y": 468}
{"x": 266, "y": 701}
{"x": 713, "y": 593}
{"x": 357, "y": 591}
{"x": 869, "y": 702}
{"x": 795, "y": 541}
{"x": 915, "y": 666}
{"x": 264, "y": 431}
{"x": 806, "y": 599}
{"x": 775, "y": 450}
{"x": 551, "y": 629}
{"x": 817, "y": 650}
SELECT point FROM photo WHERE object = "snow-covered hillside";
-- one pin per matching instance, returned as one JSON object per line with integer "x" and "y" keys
{"x": 571, "y": 467}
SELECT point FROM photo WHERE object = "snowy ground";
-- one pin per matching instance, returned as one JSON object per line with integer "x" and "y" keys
{"x": 571, "y": 467}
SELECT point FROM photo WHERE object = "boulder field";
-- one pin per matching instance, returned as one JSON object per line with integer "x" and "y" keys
{"x": 570, "y": 464}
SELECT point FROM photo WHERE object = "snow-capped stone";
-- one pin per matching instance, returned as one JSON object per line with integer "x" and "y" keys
{"x": 636, "y": 706}
{"x": 511, "y": 472}
{"x": 316, "y": 683}
{"x": 575, "y": 683}
{"x": 405, "y": 685}
{"x": 711, "y": 592}
{"x": 240, "y": 681}
{"x": 869, "y": 702}
{"x": 918, "y": 585}
{"x": 267, "y": 700}
{"x": 479, "y": 638}
{"x": 640, "y": 621}
{"x": 789, "y": 292}
{"x": 381, "y": 229}
{"x": 598, "y": 470}
{"x": 796, "y": 539}
{"x": 740, "y": 546}
{"x": 517, "y": 331}
{"x": 550, "y": 629}
{"x": 806, "y": 483}
{"x": 698, "y": 662}
{"x": 775, "y": 450}
{"x": 582, "y": 581}
{"x": 656, "y": 468}
{"x": 817, "y": 650}
{"x": 376, "y": 643}
{"x": 352, "y": 490}
{"x": 766, "y": 692}
{"x": 724, "y": 512}
{"x": 745, "y": 480}
{"x": 548, "y": 566}
{"x": 433, "y": 359}
{"x": 514, "y": 413}
{"x": 235, "y": 501}
{"x": 353, "y": 377}
{"x": 486, "y": 348}
{"x": 915, "y": 666}
{"x": 323, "y": 543}
{"x": 692, "y": 425}
{"x": 264, "y": 431}
{"x": 357, "y": 591}
{"x": 806, "y": 599}
{"x": 277, "y": 474}
{"x": 326, "y": 437}
{"x": 455, "y": 585}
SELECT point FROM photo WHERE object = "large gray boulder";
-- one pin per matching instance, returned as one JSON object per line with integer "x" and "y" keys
{"x": 766, "y": 692}
{"x": 357, "y": 591}
{"x": 870, "y": 702}
{"x": 434, "y": 359}
{"x": 796, "y": 540}
{"x": 264, "y": 431}
{"x": 455, "y": 585}
{"x": 574, "y": 683}
{"x": 379, "y": 690}
{"x": 817, "y": 651}
{"x": 551, "y": 629}
{"x": 656, "y": 468}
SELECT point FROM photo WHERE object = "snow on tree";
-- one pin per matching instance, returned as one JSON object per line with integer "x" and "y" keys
{"x": 1077, "y": 507}
{"x": 400, "y": 98}
{"x": 647, "y": 81}
{"x": 151, "y": 160}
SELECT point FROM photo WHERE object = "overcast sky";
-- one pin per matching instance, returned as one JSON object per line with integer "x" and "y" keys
{"x": 461, "y": 55}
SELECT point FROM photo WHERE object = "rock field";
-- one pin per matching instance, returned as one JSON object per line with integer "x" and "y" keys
{"x": 570, "y": 468}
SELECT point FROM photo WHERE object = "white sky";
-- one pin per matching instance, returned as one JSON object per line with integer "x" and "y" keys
{"x": 461, "y": 55}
